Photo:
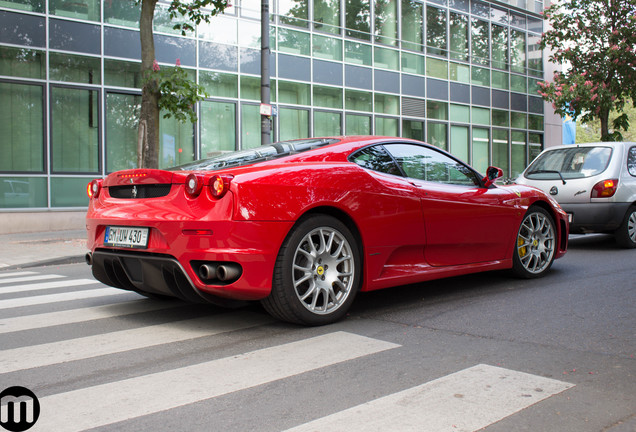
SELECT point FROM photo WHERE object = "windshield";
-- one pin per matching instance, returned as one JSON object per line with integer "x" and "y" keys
{"x": 258, "y": 154}
{"x": 570, "y": 163}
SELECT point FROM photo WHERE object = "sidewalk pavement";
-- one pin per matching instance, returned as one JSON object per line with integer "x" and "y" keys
{"x": 42, "y": 248}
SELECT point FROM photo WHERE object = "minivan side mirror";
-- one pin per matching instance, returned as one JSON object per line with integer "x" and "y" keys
{"x": 492, "y": 174}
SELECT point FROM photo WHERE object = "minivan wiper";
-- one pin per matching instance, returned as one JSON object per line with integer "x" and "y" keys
{"x": 548, "y": 171}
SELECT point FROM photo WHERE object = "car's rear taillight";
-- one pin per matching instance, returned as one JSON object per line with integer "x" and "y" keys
{"x": 604, "y": 188}
{"x": 219, "y": 185}
{"x": 93, "y": 188}
{"x": 193, "y": 185}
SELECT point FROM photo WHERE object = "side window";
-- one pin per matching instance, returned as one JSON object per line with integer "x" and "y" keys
{"x": 376, "y": 158}
{"x": 631, "y": 161}
{"x": 424, "y": 163}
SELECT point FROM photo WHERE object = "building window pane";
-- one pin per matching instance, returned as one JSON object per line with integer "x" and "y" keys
{"x": 437, "y": 110}
{"x": 23, "y": 192}
{"x": 85, "y": 9}
{"x": 122, "y": 120}
{"x": 220, "y": 30}
{"x": 387, "y": 58}
{"x": 535, "y": 122}
{"x": 293, "y": 12}
{"x": 459, "y": 72}
{"x": 358, "y": 124}
{"x": 460, "y": 143}
{"x": 535, "y": 56}
{"x": 500, "y": 118}
{"x": 74, "y": 130}
{"x": 21, "y": 128}
{"x": 327, "y": 124}
{"x": 386, "y": 126}
{"x": 535, "y": 147}
{"x": 480, "y": 42}
{"x": 460, "y": 113}
{"x": 358, "y": 53}
{"x": 328, "y": 97}
{"x": 518, "y": 153}
{"x": 437, "y": 68}
{"x": 500, "y": 80}
{"x": 458, "y": 36}
{"x": 176, "y": 142}
{"x": 219, "y": 84}
{"x": 358, "y": 100}
{"x": 386, "y": 22}
{"x": 413, "y": 129}
{"x": 69, "y": 191}
{"x": 122, "y": 74}
{"x": 250, "y": 126}
{"x": 518, "y": 120}
{"x": 413, "y": 63}
{"x": 481, "y": 149}
{"x": 294, "y": 93}
{"x": 481, "y": 76}
{"x": 518, "y": 83}
{"x": 250, "y": 88}
{"x": 25, "y": 5}
{"x": 518, "y": 51}
{"x": 358, "y": 19}
{"x": 22, "y": 62}
{"x": 327, "y": 48}
{"x": 437, "y": 134}
{"x": 72, "y": 68}
{"x": 500, "y": 150}
{"x": 249, "y": 34}
{"x": 293, "y": 42}
{"x": 412, "y": 25}
{"x": 122, "y": 13}
{"x": 387, "y": 104}
{"x": 294, "y": 123}
{"x": 327, "y": 16}
{"x": 481, "y": 116}
{"x": 436, "y": 31}
{"x": 218, "y": 128}
{"x": 499, "y": 47}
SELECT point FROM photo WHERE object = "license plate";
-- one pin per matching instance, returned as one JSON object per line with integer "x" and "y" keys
{"x": 131, "y": 237}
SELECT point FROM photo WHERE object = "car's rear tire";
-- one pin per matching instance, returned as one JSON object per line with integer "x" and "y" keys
{"x": 317, "y": 273}
{"x": 535, "y": 244}
{"x": 626, "y": 234}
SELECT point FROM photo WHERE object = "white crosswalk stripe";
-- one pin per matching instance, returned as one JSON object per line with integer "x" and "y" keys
{"x": 14, "y": 274}
{"x": 468, "y": 400}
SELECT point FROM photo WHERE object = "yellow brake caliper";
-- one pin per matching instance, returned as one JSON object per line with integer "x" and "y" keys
{"x": 523, "y": 250}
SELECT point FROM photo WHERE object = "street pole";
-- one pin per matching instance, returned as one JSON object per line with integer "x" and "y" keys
{"x": 266, "y": 129}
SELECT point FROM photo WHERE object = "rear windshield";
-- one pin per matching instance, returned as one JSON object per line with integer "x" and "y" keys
{"x": 259, "y": 154}
{"x": 570, "y": 163}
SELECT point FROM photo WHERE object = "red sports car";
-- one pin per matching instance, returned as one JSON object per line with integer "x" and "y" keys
{"x": 304, "y": 225}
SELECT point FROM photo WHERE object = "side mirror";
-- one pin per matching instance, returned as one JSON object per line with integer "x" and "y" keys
{"x": 492, "y": 174}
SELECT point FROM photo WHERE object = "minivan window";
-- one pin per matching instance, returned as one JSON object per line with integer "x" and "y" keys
{"x": 570, "y": 163}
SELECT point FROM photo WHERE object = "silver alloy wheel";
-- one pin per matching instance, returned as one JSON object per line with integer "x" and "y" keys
{"x": 631, "y": 226}
{"x": 535, "y": 242}
{"x": 323, "y": 270}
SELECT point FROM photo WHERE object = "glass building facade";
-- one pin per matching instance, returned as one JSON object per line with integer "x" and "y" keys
{"x": 459, "y": 74}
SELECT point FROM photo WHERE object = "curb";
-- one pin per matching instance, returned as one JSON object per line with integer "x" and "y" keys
{"x": 44, "y": 263}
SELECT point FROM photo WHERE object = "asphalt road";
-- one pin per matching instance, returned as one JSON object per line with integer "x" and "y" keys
{"x": 481, "y": 351}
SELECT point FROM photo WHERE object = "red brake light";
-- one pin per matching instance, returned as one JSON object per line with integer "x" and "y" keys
{"x": 605, "y": 188}
{"x": 193, "y": 185}
{"x": 219, "y": 185}
{"x": 93, "y": 188}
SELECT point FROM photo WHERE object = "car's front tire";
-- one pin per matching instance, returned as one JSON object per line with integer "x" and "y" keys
{"x": 535, "y": 244}
{"x": 626, "y": 234}
{"x": 317, "y": 273}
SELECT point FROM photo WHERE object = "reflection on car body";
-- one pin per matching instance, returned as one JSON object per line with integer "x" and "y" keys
{"x": 304, "y": 225}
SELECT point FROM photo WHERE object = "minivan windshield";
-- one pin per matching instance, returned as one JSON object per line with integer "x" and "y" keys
{"x": 569, "y": 163}
{"x": 258, "y": 154}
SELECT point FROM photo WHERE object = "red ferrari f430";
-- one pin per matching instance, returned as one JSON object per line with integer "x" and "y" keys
{"x": 302, "y": 226}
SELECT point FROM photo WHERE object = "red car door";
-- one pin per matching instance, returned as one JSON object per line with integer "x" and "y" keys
{"x": 465, "y": 222}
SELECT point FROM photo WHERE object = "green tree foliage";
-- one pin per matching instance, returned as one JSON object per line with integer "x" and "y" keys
{"x": 590, "y": 132}
{"x": 168, "y": 89}
{"x": 596, "y": 39}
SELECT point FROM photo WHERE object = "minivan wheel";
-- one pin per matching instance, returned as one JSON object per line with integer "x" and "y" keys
{"x": 626, "y": 234}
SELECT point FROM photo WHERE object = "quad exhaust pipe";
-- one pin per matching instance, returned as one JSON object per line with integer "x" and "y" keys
{"x": 223, "y": 272}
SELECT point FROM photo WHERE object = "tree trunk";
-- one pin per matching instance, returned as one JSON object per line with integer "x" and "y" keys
{"x": 604, "y": 118}
{"x": 150, "y": 91}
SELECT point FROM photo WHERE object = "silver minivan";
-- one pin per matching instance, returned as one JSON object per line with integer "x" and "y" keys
{"x": 594, "y": 183}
